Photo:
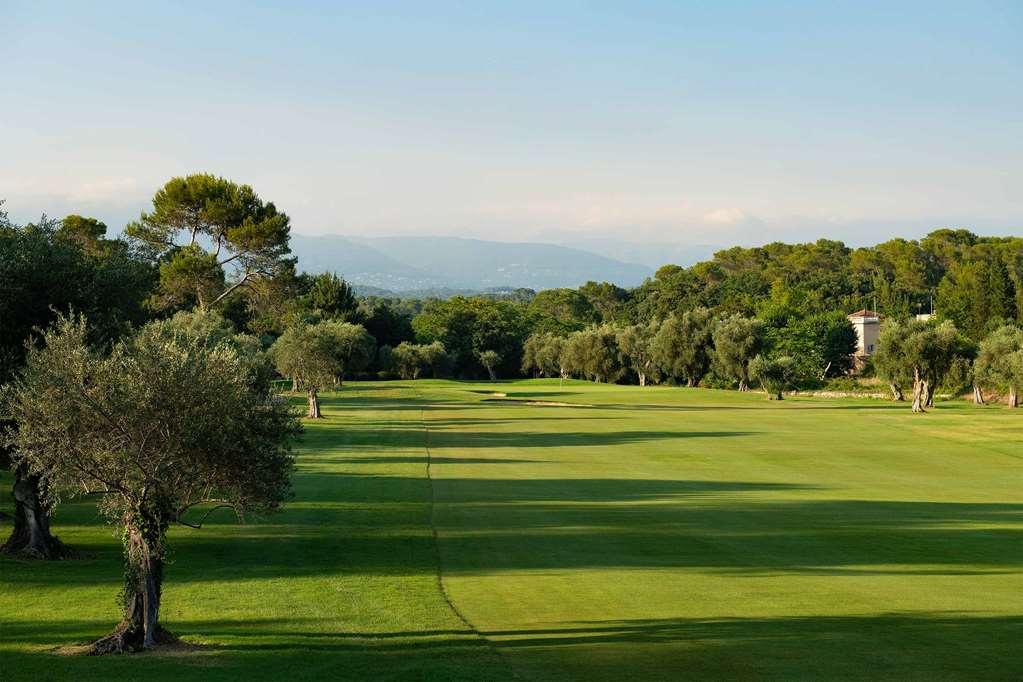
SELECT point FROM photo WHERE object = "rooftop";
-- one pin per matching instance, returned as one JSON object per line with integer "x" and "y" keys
{"x": 865, "y": 313}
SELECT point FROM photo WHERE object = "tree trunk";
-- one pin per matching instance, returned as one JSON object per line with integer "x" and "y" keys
{"x": 920, "y": 391}
{"x": 779, "y": 396}
{"x": 314, "y": 404}
{"x": 490, "y": 371}
{"x": 827, "y": 369}
{"x": 294, "y": 384}
{"x": 1012, "y": 400}
{"x": 978, "y": 396}
{"x": 743, "y": 385}
{"x": 896, "y": 392}
{"x": 31, "y": 536}
{"x": 143, "y": 579}
{"x": 689, "y": 382}
{"x": 929, "y": 394}
{"x": 642, "y": 378}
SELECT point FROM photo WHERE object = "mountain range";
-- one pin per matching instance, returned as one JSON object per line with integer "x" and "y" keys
{"x": 402, "y": 264}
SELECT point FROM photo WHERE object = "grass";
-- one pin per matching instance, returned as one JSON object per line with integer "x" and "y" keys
{"x": 655, "y": 533}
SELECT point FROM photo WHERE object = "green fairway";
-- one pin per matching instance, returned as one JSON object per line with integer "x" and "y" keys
{"x": 582, "y": 532}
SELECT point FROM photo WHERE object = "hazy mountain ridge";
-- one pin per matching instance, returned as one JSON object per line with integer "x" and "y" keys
{"x": 405, "y": 263}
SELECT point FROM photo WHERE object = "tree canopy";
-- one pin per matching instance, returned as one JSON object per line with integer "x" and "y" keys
{"x": 737, "y": 340}
{"x": 156, "y": 428}
{"x": 211, "y": 237}
{"x": 919, "y": 353}
{"x": 999, "y": 364}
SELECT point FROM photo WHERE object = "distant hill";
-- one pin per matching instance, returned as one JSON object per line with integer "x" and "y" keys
{"x": 411, "y": 263}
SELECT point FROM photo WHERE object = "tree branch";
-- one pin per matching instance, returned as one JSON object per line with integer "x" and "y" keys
{"x": 198, "y": 526}
{"x": 228, "y": 259}
{"x": 230, "y": 289}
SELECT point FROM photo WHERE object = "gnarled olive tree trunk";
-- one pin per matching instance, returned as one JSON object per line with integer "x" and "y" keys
{"x": 140, "y": 628}
{"x": 978, "y": 396}
{"x": 896, "y": 392}
{"x": 1012, "y": 400}
{"x": 314, "y": 404}
{"x": 31, "y": 536}
{"x": 921, "y": 393}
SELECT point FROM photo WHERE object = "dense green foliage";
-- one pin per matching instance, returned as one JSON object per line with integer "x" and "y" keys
{"x": 469, "y": 327}
{"x": 47, "y": 268}
{"x": 801, "y": 293}
{"x": 919, "y": 354}
{"x": 166, "y": 422}
{"x": 211, "y": 237}
{"x": 317, "y": 356}
{"x": 999, "y": 363}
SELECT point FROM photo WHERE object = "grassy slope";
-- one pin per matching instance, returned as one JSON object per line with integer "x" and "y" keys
{"x": 659, "y": 533}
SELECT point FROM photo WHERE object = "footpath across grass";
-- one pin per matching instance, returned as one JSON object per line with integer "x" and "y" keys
{"x": 585, "y": 532}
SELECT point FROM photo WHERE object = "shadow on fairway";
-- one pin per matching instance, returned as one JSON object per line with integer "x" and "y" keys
{"x": 423, "y": 459}
{"x": 451, "y": 433}
{"x": 891, "y": 646}
{"x": 762, "y": 406}
{"x": 442, "y": 438}
{"x": 378, "y": 525}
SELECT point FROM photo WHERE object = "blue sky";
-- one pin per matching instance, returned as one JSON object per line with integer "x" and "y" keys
{"x": 691, "y": 123}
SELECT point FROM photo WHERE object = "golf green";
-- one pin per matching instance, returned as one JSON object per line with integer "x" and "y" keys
{"x": 540, "y": 530}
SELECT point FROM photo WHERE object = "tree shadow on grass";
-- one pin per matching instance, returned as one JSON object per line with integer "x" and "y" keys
{"x": 453, "y": 434}
{"x": 460, "y": 439}
{"x": 910, "y": 645}
{"x": 790, "y": 406}
{"x": 379, "y": 525}
{"x": 423, "y": 459}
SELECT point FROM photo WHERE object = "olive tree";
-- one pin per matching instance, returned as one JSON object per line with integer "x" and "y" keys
{"x": 47, "y": 268}
{"x": 636, "y": 345}
{"x": 436, "y": 357}
{"x": 594, "y": 354}
{"x": 888, "y": 361}
{"x": 489, "y": 359}
{"x": 213, "y": 328}
{"x": 156, "y": 428}
{"x": 775, "y": 374}
{"x": 684, "y": 345}
{"x": 921, "y": 353}
{"x": 314, "y": 356}
{"x": 543, "y": 353}
{"x": 408, "y": 360}
{"x": 999, "y": 364}
{"x": 737, "y": 340}
{"x": 353, "y": 345}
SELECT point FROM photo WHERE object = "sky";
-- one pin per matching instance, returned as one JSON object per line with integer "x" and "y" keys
{"x": 572, "y": 122}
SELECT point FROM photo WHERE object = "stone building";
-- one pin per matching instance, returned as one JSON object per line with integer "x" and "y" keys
{"x": 867, "y": 324}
